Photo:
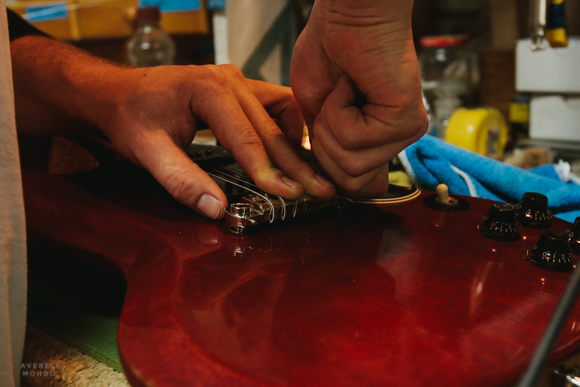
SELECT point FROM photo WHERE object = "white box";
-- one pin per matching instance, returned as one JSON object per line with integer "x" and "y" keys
{"x": 555, "y": 117}
{"x": 553, "y": 70}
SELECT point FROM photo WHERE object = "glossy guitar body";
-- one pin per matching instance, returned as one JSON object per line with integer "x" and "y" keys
{"x": 377, "y": 295}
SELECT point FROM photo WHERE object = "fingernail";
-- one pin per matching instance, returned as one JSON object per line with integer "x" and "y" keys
{"x": 324, "y": 181}
{"x": 291, "y": 183}
{"x": 209, "y": 206}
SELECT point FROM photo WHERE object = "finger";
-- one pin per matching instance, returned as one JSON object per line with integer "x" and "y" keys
{"x": 374, "y": 123}
{"x": 339, "y": 115}
{"x": 312, "y": 74}
{"x": 372, "y": 184}
{"x": 281, "y": 105}
{"x": 356, "y": 162}
{"x": 181, "y": 177}
{"x": 218, "y": 106}
{"x": 277, "y": 146}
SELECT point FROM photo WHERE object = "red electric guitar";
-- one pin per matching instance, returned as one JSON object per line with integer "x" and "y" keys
{"x": 396, "y": 292}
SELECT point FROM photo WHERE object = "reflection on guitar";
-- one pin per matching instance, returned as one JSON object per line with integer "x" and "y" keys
{"x": 380, "y": 294}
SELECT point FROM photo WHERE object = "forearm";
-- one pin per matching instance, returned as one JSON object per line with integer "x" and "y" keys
{"x": 59, "y": 89}
{"x": 363, "y": 12}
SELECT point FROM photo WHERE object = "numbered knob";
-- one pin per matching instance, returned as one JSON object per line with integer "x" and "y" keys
{"x": 552, "y": 251}
{"x": 500, "y": 223}
{"x": 574, "y": 236}
{"x": 532, "y": 212}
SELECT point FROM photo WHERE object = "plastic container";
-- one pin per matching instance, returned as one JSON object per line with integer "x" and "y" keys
{"x": 150, "y": 45}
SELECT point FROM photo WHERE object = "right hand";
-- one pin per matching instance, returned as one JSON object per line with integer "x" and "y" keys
{"x": 351, "y": 48}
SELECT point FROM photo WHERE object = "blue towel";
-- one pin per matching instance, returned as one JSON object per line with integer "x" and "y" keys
{"x": 431, "y": 161}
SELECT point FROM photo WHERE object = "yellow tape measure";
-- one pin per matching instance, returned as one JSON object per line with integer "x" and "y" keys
{"x": 481, "y": 130}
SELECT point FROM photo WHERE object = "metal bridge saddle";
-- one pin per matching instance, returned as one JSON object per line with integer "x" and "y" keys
{"x": 255, "y": 210}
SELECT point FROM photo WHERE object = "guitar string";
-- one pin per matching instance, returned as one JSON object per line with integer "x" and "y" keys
{"x": 271, "y": 215}
{"x": 272, "y": 208}
{"x": 229, "y": 172}
{"x": 284, "y": 206}
{"x": 234, "y": 175}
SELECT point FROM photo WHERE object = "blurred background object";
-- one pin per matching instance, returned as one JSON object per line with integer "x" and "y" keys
{"x": 103, "y": 27}
{"x": 547, "y": 69}
{"x": 150, "y": 45}
{"x": 480, "y": 130}
{"x": 445, "y": 67}
{"x": 257, "y": 36}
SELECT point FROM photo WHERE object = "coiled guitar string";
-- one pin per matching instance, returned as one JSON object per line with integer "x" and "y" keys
{"x": 237, "y": 183}
{"x": 234, "y": 175}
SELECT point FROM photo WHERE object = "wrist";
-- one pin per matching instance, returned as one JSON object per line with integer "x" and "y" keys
{"x": 361, "y": 26}
{"x": 363, "y": 12}
{"x": 101, "y": 89}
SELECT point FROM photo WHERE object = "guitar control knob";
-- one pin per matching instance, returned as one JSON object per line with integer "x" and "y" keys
{"x": 532, "y": 212}
{"x": 574, "y": 236}
{"x": 552, "y": 251}
{"x": 500, "y": 223}
{"x": 441, "y": 201}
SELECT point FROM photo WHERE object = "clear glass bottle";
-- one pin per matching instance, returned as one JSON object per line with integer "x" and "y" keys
{"x": 444, "y": 65}
{"x": 445, "y": 60}
{"x": 150, "y": 45}
{"x": 444, "y": 108}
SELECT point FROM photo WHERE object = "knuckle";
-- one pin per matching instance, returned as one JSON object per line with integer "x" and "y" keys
{"x": 288, "y": 97}
{"x": 416, "y": 122}
{"x": 290, "y": 106}
{"x": 420, "y": 125}
{"x": 248, "y": 137}
{"x": 271, "y": 130}
{"x": 355, "y": 168}
{"x": 348, "y": 140}
{"x": 232, "y": 71}
{"x": 216, "y": 78}
{"x": 350, "y": 185}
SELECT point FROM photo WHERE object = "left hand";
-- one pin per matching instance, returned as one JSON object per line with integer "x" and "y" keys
{"x": 349, "y": 49}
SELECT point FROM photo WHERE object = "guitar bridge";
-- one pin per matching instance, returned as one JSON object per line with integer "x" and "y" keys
{"x": 250, "y": 206}
{"x": 255, "y": 210}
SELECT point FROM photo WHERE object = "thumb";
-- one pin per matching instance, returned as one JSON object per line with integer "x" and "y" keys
{"x": 181, "y": 177}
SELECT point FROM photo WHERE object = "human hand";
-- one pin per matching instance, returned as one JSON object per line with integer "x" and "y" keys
{"x": 348, "y": 50}
{"x": 151, "y": 114}
{"x": 154, "y": 116}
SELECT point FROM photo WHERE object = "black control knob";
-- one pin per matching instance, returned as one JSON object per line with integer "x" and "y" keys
{"x": 532, "y": 212}
{"x": 500, "y": 223}
{"x": 552, "y": 251}
{"x": 574, "y": 236}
